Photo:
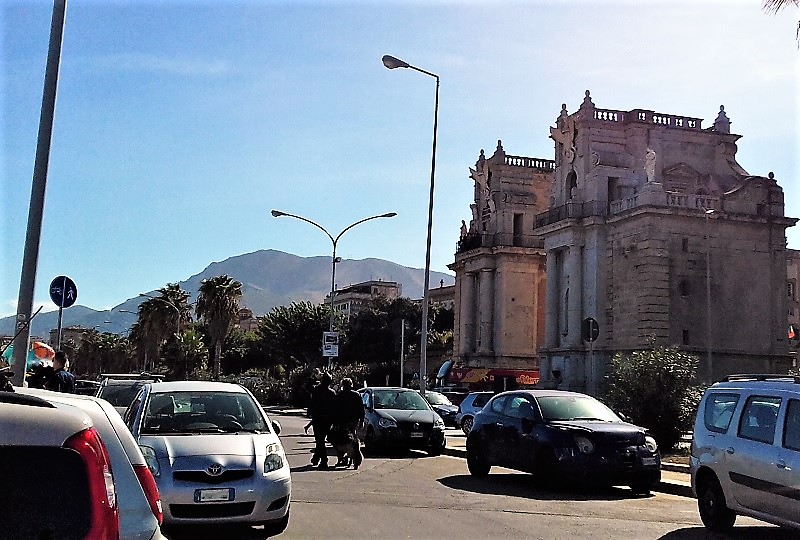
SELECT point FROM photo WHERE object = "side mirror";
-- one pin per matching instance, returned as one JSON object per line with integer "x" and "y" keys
{"x": 276, "y": 427}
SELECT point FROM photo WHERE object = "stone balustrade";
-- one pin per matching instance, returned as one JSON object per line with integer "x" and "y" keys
{"x": 530, "y": 163}
{"x": 649, "y": 117}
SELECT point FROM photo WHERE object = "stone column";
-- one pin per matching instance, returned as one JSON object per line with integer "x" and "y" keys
{"x": 486, "y": 300}
{"x": 551, "y": 301}
{"x": 574, "y": 310}
{"x": 467, "y": 343}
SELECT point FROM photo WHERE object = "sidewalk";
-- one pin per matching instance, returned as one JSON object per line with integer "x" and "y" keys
{"x": 674, "y": 477}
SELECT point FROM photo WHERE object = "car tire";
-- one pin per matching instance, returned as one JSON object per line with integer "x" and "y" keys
{"x": 545, "y": 467}
{"x": 477, "y": 463}
{"x": 436, "y": 450}
{"x": 714, "y": 512}
{"x": 642, "y": 487}
{"x": 466, "y": 424}
{"x": 370, "y": 444}
{"x": 275, "y": 528}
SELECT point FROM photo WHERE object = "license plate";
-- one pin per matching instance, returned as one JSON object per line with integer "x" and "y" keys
{"x": 417, "y": 435}
{"x": 649, "y": 461}
{"x": 213, "y": 495}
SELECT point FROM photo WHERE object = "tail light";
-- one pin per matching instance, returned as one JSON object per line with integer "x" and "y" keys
{"x": 105, "y": 520}
{"x": 150, "y": 489}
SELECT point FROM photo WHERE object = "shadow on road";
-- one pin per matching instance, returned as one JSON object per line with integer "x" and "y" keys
{"x": 242, "y": 532}
{"x": 525, "y": 487}
{"x": 743, "y": 533}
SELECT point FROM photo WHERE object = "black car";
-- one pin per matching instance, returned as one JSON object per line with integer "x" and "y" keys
{"x": 564, "y": 436}
{"x": 443, "y": 407}
{"x": 400, "y": 418}
{"x": 119, "y": 389}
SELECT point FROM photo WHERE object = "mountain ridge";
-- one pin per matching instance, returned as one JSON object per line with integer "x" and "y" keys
{"x": 269, "y": 278}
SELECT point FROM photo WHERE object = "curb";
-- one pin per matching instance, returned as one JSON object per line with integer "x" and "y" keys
{"x": 682, "y": 489}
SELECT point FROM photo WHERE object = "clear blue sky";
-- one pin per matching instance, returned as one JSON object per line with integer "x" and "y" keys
{"x": 181, "y": 124}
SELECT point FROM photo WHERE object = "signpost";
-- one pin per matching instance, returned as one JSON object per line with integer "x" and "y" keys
{"x": 63, "y": 293}
{"x": 590, "y": 331}
{"x": 330, "y": 346}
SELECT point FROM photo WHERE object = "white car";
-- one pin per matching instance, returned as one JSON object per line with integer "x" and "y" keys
{"x": 215, "y": 454}
{"x": 746, "y": 451}
{"x": 137, "y": 496}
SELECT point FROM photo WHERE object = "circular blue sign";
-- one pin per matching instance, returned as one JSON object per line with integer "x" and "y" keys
{"x": 63, "y": 291}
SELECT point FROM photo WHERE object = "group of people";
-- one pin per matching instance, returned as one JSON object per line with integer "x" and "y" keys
{"x": 55, "y": 377}
{"x": 336, "y": 418}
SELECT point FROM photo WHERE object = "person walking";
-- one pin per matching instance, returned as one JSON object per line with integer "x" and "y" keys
{"x": 61, "y": 380}
{"x": 350, "y": 418}
{"x": 321, "y": 410}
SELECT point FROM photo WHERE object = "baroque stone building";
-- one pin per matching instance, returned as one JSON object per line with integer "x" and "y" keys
{"x": 645, "y": 223}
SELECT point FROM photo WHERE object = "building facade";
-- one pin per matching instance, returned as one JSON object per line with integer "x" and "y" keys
{"x": 352, "y": 299}
{"x": 793, "y": 299}
{"x": 645, "y": 223}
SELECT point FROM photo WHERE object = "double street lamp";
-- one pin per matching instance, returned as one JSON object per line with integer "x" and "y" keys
{"x": 334, "y": 241}
{"x": 393, "y": 63}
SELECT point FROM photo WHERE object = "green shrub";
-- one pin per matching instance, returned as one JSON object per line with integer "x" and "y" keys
{"x": 655, "y": 389}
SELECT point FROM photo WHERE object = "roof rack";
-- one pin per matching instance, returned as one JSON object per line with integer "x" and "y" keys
{"x": 762, "y": 377}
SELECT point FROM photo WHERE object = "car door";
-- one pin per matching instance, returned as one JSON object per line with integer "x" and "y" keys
{"x": 492, "y": 421}
{"x": 517, "y": 433}
{"x": 753, "y": 457}
{"x": 788, "y": 466}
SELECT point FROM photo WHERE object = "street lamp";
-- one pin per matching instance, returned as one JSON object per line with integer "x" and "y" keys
{"x": 393, "y": 63}
{"x": 708, "y": 213}
{"x": 334, "y": 258}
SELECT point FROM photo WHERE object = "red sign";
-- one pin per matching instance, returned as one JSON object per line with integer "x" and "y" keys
{"x": 486, "y": 377}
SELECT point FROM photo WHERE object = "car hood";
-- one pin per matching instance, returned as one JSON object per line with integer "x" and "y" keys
{"x": 400, "y": 415}
{"x": 445, "y": 408}
{"x": 598, "y": 426}
{"x": 230, "y": 444}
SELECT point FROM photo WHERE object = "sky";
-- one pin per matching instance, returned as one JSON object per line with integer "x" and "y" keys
{"x": 180, "y": 125}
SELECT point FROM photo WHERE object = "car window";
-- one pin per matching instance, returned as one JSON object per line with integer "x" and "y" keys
{"x": 518, "y": 407}
{"x": 759, "y": 418}
{"x": 399, "y": 399}
{"x": 119, "y": 395}
{"x": 791, "y": 427}
{"x": 435, "y": 398}
{"x": 480, "y": 400}
{"x": 498, "y": 405}
{"x": 719, "y": 411}
{"x": 182, "y": 411}
{"x": 575, "y": 407}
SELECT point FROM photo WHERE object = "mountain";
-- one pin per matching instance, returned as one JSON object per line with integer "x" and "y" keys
{"x": 269, "y": 278}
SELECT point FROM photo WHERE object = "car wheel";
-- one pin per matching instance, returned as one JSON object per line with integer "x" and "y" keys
{"x": 436, "y": 450}
{"x": 275, "y": 528}
{"x": 477, "y": 463}
{"x": 545, "y": 467}
{"x": 714, "y": 513}
{"x": 370, "y": 444}
{"x": 466, "y": 424}
{"x": 641, "y": 487}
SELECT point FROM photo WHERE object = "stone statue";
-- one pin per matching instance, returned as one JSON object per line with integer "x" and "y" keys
{"x": 650, "y": 165}
{"x": 463, "y": 230}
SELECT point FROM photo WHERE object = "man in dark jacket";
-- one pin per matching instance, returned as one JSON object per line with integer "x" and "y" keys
{"x": 61, "y": 380}
{"x": 321, "y": 410}
{"x": 350, "y": 417}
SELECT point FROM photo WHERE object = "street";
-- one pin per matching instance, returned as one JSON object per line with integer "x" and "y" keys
{"x": 416, "y": 496}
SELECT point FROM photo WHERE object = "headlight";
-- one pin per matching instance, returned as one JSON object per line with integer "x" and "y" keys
{"x": 651, "y": 444}
{"x": 585, "y": 445}
{"x": 438, "y": 423}
{"x": 151, "y": 460}
{"x": 274, "y": 459}
{"x": 387, "y": 422}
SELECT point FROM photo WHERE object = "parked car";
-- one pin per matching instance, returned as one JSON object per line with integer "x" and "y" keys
{"x": 564, "y": 435}
{"x": 119, "y": 389}
{"x": 400, "y": 418}
{"x": 468, "y": 408}
{"x": 745, "y": 453}
{"x": 455, "y": 394}
{"x": 215, "y": 454}
{"x": 86, "y": 388}
{"x": 137, "y": 496}
{"x": 443, "y": 407}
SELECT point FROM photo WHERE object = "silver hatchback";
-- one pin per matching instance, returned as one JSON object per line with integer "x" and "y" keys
{"x": 214, "y": 453}
{"x": 746, "y": 451}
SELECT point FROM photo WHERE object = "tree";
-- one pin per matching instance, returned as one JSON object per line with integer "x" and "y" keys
{"x": 160, "y": 318}
{"x": 218, "y": 305}
{"x": 655, "y": 389}
{"x": 774, "y": 6}
{"x": 291, "y": 335}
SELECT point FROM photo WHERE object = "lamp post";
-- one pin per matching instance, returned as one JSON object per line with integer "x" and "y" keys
{"x": 334, "y": 241}
{"x": 393, "y": 63}
{"x": 708, "y": 213}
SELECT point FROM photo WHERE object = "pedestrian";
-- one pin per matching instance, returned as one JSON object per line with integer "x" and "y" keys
{"x": 321, "y": 408}
{"x": 38, "y": 374}
{"x": 349, "y": 419}
{"x": 61, "y": 380}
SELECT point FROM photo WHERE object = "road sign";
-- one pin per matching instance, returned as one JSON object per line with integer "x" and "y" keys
{"x": 63, "y": 291}
{"x": 590, "y": 330}
{"x": 330, "y": 344}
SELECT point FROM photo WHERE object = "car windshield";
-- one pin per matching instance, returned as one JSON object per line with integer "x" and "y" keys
{"x": 435, "y": 398}
{"x": 120, "y": 394}
{"x": 406, "y": 400}
{"x": 202, "y": 412}
{"x": 556, "y": 408}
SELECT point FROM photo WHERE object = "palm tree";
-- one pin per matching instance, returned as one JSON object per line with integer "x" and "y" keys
{"x": 774, "y": 6}
{"x": 160, "y": 317}
{"x": 218, "y": 305}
